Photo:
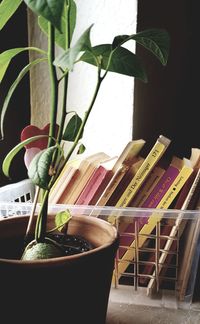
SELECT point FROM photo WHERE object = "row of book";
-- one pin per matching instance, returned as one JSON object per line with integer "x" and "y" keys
{"x": 150, "y": 182}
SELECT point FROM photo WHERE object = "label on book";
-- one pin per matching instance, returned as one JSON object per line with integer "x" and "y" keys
{"x": 149, "y": 162}
{"x": 161, "y": 188}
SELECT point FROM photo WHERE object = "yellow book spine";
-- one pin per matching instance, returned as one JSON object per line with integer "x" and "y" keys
{"x": 130, "y": 151}
{"x": 179, "y": 228}
{"x": 152, "y": 180}
{"x": 149, "y": 162}
{"x": 154, "y": 218}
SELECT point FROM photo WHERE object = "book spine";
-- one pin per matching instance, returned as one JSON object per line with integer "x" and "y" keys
{"x": 154, "y": 218}
{"x": 130, "y": 152}
{"x": 92, "y": 185}
{"x": 112, "y": 185}
{"x": 179, "y": 182}
{"x": 161, "y": 188}
{"x": 149, "y": 162}
{"x": 152, "y": 158}
{"x": 125, "y": 181}
{"x": 148, "y": 186}
{"x": 66, "y": 178}
{"x": 151, "y": 181}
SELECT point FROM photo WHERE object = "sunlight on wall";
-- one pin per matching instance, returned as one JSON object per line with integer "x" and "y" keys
{"x": 109, "y": 126}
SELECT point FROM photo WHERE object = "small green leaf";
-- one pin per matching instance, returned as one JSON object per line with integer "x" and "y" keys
{"x": 62, "y": 218}
{"x": 49, "y": 9}
{"x": 10, "y": 156}
{"x": 7, "y": 9}
{"x": 66, "y": 60}
{"x": 11, "y": 91}
{"x": 123, "y": 61}
{"x": 72, "y": 128}
{"x": 39, "y": 167}
{"x": 81, "y": 149}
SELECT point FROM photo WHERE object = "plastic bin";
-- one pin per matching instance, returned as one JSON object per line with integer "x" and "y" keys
{"x": 159, "y": 268}
{"x": 20, "y": 192}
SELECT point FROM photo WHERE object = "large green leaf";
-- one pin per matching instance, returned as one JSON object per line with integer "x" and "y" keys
{"x": 72, "y": 128}
{"x": 7, "y": 56}
{"x": 49, "y": 9}
{"x": 60, "y": 38}
{"x": 123, "y": 61}
{"x": 12, "y": 89}
{"x": 39, "y": 167}
{"x": 157, "y": 41}
{"x": 72, "y": 18}
{"x": 10, "y": 156}
{"x": 66, "y": 60}
{"x": 7, "y": 9}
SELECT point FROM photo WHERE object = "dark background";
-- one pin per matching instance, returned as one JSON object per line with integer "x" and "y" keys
{"x": 169, "y": 103}
{"x": 14, "y": 34}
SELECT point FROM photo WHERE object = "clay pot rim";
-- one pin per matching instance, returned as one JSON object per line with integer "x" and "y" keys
{"x": 114, "y": 241}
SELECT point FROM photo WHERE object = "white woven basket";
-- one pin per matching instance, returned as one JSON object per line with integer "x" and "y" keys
{"x": 20, "y": 192}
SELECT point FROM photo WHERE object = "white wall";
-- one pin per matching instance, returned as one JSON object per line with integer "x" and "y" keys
{"x": 109, "y": 126}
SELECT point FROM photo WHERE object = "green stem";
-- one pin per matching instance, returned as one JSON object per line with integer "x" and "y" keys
{"x": 63, "y": 113}
{"x": 108, "y": 64}
{"x": 40, "y": 229}
{"x": 37, "y": 49}
{"x": 79, "y": 134}
{"x": 54, "y": 84}
{"x": 66, "y": 78}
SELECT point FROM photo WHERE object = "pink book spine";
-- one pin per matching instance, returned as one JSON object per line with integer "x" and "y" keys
{"x": 92, "y": 186}
{"x": 152, "y": 201}
{"x": 161, "y": 188}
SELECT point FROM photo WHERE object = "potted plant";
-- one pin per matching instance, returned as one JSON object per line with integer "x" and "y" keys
{"x": 53, "y": 285}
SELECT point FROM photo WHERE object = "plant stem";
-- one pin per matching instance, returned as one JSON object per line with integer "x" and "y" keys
{"x": 66, "y": 77}
{"x": 40, "y": 229}
{"x": 54, "y": 83}
{"x": 42, "y": 216}
{"x": 87, "y": 113}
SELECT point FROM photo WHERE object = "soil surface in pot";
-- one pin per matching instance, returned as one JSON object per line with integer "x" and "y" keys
{"x": 72, "y": 244}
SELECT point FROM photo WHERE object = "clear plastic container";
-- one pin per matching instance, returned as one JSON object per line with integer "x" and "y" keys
{"x": 157, "y": 263}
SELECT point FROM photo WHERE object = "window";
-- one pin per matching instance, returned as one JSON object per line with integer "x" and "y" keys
{"x": 110, "y": 123}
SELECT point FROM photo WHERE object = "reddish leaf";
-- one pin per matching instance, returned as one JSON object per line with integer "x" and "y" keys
{"x": 31, "y": 130}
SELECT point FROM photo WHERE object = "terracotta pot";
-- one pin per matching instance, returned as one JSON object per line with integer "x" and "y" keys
{"x": 72, "y": 289}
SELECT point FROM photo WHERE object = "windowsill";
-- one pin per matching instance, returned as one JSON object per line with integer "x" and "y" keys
{"x": 127, "y": 307}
